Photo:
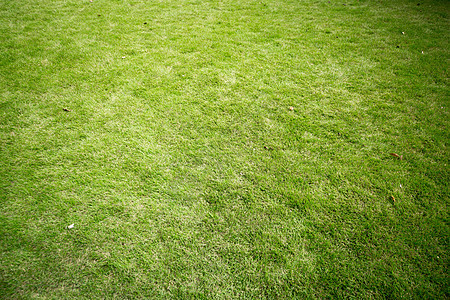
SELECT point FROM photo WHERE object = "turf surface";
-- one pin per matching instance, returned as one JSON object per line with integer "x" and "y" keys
{"x": 224, "y": 149}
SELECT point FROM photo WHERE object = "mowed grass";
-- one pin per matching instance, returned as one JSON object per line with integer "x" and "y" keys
{"x": 224, "y": 149}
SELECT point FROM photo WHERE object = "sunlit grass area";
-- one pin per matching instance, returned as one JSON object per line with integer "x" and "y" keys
{"x": 188, "y": 149}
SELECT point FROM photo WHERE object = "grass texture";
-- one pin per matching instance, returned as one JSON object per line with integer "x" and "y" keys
{"x": 231, "y": 149}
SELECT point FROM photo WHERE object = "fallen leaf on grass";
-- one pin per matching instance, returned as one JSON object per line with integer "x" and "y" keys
{"x": 392, "y": 198}
{"x": 396, "y": 155}
{"x": 66, "y": 109}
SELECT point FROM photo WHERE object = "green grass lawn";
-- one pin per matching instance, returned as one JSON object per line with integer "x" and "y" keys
{"x": 231, "y": 149}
